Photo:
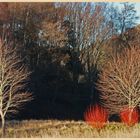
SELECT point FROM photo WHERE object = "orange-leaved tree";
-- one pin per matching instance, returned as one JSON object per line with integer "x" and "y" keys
{"x": 96, "y": 116}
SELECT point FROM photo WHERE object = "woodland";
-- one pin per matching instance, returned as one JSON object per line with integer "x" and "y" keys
{"x": 77, "y": 55}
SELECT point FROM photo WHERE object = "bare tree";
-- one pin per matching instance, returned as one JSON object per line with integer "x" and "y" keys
{"x": 127, "y": 17}
{"x": 13, "y": 76}
{"x": 92, "y": 55}
{"x": 120, "y": 81}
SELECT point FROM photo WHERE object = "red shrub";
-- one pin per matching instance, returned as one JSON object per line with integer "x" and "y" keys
{"x": 129, "y": 116}
{"x": 96, "y": 116}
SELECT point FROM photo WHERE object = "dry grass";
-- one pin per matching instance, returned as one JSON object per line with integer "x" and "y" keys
{"x": 71, "y": 129}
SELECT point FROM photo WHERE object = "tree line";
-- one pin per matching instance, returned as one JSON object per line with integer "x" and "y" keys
{"x": 67, "y": 47}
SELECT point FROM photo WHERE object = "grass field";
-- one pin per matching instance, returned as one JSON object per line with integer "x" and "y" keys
{"x": 68, "y": 129}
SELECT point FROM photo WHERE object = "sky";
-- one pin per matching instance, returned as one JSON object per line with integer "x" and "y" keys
{"x": 137, "y": 7}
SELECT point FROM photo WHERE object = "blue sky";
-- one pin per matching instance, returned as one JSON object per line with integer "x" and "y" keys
{"x": 137, "y": 7}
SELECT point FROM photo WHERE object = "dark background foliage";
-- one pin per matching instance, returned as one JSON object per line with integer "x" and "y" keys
{"x": 66, "y": 45}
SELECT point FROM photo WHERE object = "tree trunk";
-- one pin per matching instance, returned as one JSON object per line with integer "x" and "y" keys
{"x": 130, "y": 115}
{"x": 3, "y": 126}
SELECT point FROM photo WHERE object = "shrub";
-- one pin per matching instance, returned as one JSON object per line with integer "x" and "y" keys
{"x": 96, "y": 116}
{"x": 129, "y": 116}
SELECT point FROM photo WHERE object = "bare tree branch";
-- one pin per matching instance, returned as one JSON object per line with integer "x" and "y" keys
{"x": 120, "y": 80}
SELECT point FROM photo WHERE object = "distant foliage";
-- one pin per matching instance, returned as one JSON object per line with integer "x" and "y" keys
{"x": 129, "y": 116}
{"x": 62, "y": 42}
{"x": 96, "y": 116}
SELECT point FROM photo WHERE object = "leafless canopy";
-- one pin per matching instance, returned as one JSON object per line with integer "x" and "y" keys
{"x": 12, "y": 80}
{"x": 120, "y": 81}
